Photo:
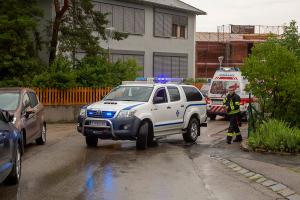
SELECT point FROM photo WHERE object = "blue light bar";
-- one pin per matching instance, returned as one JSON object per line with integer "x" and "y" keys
{"x": 168, "y": 80}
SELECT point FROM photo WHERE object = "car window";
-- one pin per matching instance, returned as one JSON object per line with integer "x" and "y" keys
{"x": 161, "y": 92}
{"x": 33, "y": 99}
{"x": 192, "y": 94}
{"x": 9, "y": 100}
{"x": 26, "y": 101}
{"x": 174, "y": 94}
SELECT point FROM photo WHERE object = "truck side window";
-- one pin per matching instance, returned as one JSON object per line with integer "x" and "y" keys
{"x": 161, "y": 92}
{"x": 174, "y": 94}
{"x": 192, "y": 94}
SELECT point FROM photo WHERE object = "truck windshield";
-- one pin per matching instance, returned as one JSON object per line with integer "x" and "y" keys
{"x": 130, "y": 93}
{"x": 221, "y": 87}
{"x": 9, "y": 100}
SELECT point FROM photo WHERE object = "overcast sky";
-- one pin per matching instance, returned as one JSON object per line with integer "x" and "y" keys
{"x": 245, "y": 12}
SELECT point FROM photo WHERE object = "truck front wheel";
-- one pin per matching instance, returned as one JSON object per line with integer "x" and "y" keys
{"x": 142, "y": 136}
{"x": 193, "y": 131}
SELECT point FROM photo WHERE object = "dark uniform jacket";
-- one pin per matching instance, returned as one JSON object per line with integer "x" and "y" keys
{"x": 232, "y": 103}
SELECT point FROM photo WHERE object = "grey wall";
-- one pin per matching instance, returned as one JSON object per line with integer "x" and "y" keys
{"x": 146, "y": 43}
{"x": 150, "y": 44}
{"x": 54, "y": 114}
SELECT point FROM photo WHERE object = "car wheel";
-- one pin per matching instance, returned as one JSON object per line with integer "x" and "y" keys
{"x": 15, "y": 175}
{"x": 142, "y": 137}
{"x": 193, "y": 130}
{"x": 42, "y": 139}
{"x": 91, "y": 141}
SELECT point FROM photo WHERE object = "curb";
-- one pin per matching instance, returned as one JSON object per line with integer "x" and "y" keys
{"x": 272, "y": 185}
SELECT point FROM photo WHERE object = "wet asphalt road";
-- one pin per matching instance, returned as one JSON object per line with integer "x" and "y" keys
{"x": 65, "y": 169}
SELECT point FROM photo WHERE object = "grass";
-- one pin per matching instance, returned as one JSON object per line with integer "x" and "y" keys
{"x": 277, "y": 136}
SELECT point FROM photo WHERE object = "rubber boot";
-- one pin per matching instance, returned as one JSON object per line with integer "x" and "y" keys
{"x": 229, "y": 139}
{"x": 238, "y": 138}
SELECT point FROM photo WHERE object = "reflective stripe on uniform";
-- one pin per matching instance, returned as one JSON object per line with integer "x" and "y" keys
{"x": 238, "y": 133}
{"x": 233, "y": 112}
{"x": 231, "y": 134}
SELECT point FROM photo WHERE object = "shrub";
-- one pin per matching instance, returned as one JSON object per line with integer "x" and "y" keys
{"x": 277, "y": 136}
{"x": 95, "y": 71}
{"x": 59, "y": 75}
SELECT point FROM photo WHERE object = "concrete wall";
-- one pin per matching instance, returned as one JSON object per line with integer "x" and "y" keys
{"x": 55, "y": 114}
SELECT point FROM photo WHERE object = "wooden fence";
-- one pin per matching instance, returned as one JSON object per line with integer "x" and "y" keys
{"x": 73, "y": 96}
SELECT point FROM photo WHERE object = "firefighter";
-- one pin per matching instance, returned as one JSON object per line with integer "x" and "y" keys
{"x": 232, "y": 105}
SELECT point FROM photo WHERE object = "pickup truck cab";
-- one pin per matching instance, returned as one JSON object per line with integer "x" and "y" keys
{"x": 144, "y": 110}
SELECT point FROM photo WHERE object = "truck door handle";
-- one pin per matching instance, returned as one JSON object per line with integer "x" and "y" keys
{"x": 168, "y": 107}
{"x": 182, "y": 106}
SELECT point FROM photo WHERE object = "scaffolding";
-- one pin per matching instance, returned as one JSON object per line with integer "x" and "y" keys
{"x": 240, "y": 32}
{"x": 225, "y": 41}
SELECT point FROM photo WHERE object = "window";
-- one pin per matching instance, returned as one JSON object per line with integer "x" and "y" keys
{"x": 124, "y": 56}
{"x": 174, "y": 30}
{"x": 123, "y": 18}
{"x": 182, "y": 32}
{"x": 130, "y": 93}
{"x": 33, "y": 100}
{"x": 26, "y": 101}
{"x": 9, "y": 101}
{"x": 192, "y": 94}
{"x": 170, "y": 65}
{"x": 169, "y": 24}
{"x": 174, "y": 94}
{"x": 161, "y": 92}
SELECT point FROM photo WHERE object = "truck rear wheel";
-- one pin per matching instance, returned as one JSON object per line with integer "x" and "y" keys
{"x": 91, "y": 141}
{"x": 142, "y": 137}
{"x": 212, "y": 117}
{"x": 193, "y": 131}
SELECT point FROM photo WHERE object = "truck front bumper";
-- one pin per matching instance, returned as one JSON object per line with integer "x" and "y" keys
{"x": 116, "y": 129}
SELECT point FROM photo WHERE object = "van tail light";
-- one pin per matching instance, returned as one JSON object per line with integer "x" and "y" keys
{"x": 245, "y": 101}
{"x": 208, "y": 101}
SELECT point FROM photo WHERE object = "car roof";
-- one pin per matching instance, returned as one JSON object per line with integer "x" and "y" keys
{"x": 15, "y": 89}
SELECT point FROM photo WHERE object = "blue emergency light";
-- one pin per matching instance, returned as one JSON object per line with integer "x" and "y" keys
{"x": 160, "y": 80}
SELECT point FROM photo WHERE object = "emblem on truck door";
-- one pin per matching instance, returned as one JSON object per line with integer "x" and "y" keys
{"x": 177, "y": 113}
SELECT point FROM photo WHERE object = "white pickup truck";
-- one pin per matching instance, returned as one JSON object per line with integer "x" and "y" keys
{"x": 144, "y": 110}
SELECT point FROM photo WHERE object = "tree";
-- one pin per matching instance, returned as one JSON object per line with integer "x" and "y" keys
{"x": 82, "y": 28}
{"x": 291, "y": 38}
{"x": 59, "y": 13}
{"x": 19, "y": 41}
{"x": 273, "y": 72}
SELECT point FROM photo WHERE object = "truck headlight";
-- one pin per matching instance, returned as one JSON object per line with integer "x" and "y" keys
{"x": 126, "y": 113}
{"x": 82, "y": 112}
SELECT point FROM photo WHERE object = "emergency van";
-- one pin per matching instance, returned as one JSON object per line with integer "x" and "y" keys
{"x": 225, "y": 78}
{"x": 143, "y": 110}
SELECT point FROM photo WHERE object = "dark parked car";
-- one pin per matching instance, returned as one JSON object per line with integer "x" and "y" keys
{"x": 10, "y": 149}
{"x": 28, "y": 113}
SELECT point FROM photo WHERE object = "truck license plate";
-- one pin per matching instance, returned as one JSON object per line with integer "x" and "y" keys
{"x": 98, "y": 123}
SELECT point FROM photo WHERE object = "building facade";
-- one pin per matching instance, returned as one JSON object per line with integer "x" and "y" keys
{"x": 161, "y": 35}
{"x": 234, "y": 48}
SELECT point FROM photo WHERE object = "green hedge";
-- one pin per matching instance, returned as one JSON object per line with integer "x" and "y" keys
{"x": 276, "y": 136}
